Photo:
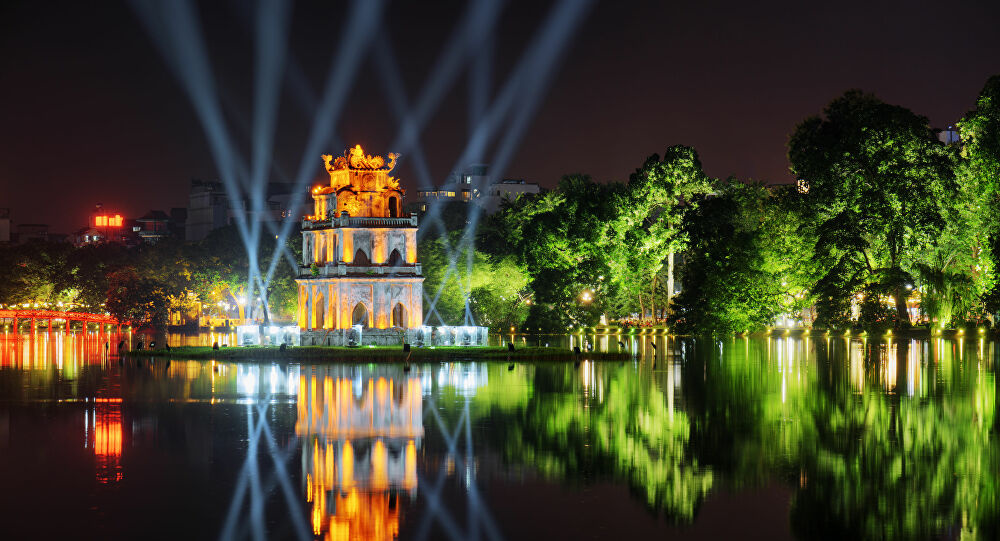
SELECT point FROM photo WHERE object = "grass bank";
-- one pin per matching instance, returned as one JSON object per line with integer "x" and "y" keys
{"x": 378, "y": 354}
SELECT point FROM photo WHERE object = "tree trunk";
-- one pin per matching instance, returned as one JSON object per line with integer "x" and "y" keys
{"x": 902, "y": 314}
{"x": 642, "y": 309}
{"x": 670, "y": 282}
{"x": 652, "y": 298}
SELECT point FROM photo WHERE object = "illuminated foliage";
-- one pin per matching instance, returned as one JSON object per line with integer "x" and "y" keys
{"x": 746, "y": 261}
{"x": 647, "y": 227}
{"x": 497, "y": 287}
{"x": 979, "y": 172}
{"x": 137, "y": 300}
{"x": 186, "y": 274}
{"x": 877, "y": 176}
{"x": 562, "y": 240}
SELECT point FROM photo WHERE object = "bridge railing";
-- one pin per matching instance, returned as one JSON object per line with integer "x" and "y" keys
{"x": 55, "y": 314}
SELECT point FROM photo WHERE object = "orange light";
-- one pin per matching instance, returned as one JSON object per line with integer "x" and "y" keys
{"x": 108, "y": 221}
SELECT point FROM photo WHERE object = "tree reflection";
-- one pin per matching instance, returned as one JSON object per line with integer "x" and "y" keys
{"x": 883, "y": 464}
{"x": 746, "y": 399}
{"x": 884, "y": 439}
{"x": 622, "y": 427}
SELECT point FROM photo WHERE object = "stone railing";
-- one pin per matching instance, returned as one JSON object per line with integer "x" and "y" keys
{"x": 344, "y": 269}
{"x": 348, "y": 221}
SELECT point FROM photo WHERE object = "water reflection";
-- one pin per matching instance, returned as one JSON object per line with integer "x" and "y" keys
{"x": 359, "y": 451}
{"x": 869, "y": 438}
{"x": 103, "y": 433}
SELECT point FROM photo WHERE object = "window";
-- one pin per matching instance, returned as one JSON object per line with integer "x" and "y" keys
{"x": 451, "y": 194}
{"x": 361, "y": 259}
{"x": 395, "y": 259}
{"x": 359, "y": 316}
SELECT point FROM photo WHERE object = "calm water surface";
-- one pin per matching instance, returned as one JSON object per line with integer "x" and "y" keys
{"x": 781, "y": 438}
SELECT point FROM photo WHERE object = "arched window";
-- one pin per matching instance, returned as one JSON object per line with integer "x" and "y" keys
{"x": 360, "y": 315}
{"x": 398, "y": 316}
{"x": 361, "y": 259}
{"x": 395, "y": 259}
{"x": 393, "y": 211}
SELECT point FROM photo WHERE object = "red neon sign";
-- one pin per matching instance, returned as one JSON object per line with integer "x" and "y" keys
{"x": 108, "y": 221}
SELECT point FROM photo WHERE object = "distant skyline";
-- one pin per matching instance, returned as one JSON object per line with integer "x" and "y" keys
{"x": 91, "y": 113}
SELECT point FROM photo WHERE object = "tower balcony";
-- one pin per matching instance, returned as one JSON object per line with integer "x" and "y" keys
{"x": 361, "y": 221}
{"x": 343, "y": 269}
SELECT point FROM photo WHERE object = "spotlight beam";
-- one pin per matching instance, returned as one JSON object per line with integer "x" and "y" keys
{"x": 256, "y": 494}
{"x": 301, "y": 530}
{"x": 269, "y": 50}
{"x": 360, "y": 29}
{"x": 270, "y": 45}
{"x": 552, "y": 47}
{"x": 179, "y": 40}
{"x": 461, "y": 47}
{"x": 392, "y": 84}
{"x": 540, "y": 56}
{"x": 176, "y": 32}
{"x": 480, "y": 82}
{"x": 229, "y": 526}
{"x": 476, "y": 510}
{"x": 477, "y": 23}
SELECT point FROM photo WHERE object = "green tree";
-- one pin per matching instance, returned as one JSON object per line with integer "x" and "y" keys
{"x": 979, "y": 175}
{"x": 876, "y": 175}
{"x": 561, "y": 238}
{"x": 85, "y": 279}
{"x": 32, "y": 272}
{"x": 747, "y": 261}
{"x": 496, "y": 287}
{"x": 137, "y": 300}
{"x": 650, "y": 211}
{"x": 500, "y": 296}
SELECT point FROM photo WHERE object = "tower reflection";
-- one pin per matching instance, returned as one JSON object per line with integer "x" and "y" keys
{"x": 359, "y": 452}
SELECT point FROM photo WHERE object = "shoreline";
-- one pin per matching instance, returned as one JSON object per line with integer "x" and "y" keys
{"x": 377, "y": 354}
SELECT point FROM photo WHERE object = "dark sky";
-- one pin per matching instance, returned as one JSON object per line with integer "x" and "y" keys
{"x": 90, "y": 113}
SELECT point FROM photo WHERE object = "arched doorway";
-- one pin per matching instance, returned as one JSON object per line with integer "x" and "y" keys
{"x": 393, "y": 212}
{"x": 395, "y": 259}
{"x": 360, "y": 315}
{"x": 398, "y": 316}
{"x": 319, "y": 311}
{"x": 360, "y": 258}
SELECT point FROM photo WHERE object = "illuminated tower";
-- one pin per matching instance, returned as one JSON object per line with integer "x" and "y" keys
{"x": 359, "y": 256}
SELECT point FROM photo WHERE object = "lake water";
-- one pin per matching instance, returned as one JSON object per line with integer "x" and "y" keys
{"x": 780, "y": 438}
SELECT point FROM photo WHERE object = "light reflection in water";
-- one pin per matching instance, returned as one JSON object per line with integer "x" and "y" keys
{"x": 360, "y": 453}
{"x": 342, "y": 444}
{"x": 105, "y": 429}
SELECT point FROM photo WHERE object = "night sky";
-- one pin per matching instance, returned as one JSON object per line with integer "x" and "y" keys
{"x": 90, "y": 113}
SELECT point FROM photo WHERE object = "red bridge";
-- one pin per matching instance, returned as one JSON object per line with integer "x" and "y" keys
{"x": 53, "y": 315}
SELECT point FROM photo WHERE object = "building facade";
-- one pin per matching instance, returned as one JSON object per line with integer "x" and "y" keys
{"x": 474, "y": 185}
{"x": 210, "y": 207}
{"x": 359, "y": 257}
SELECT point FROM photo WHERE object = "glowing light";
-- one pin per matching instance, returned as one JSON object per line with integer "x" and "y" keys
{"x": 108, "y": 221}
